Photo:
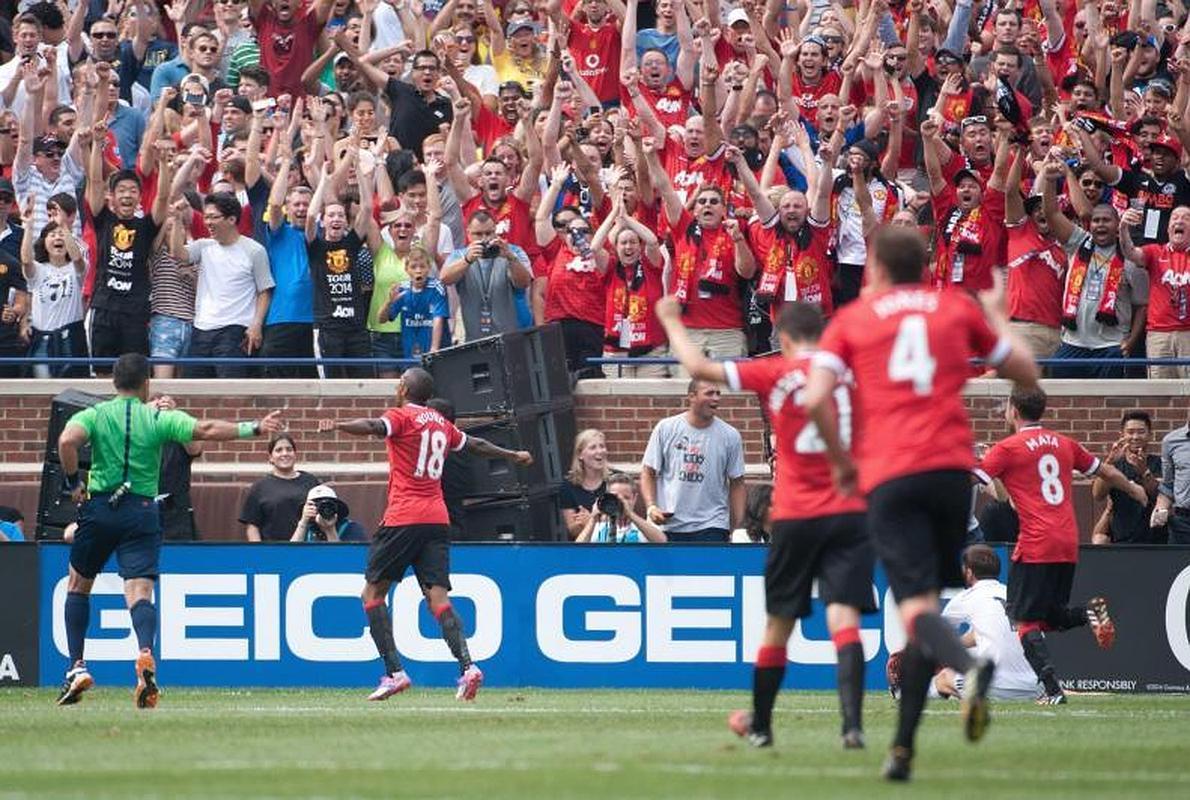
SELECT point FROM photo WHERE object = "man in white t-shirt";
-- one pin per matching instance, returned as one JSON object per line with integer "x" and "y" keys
{"x": 990, "y": 635}
{"x": 235, "y": 286}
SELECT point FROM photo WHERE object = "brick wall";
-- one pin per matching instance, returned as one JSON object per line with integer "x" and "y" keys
{"x": 1092, "y": 416}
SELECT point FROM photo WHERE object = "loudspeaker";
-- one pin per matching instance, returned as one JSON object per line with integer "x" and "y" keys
{"x": 549, "y": 437}
{"x": 55, "y": 510}
{"x": 64, "y": 406}
{"x": 503, "y": 374}
{"x": 532, "y": 517}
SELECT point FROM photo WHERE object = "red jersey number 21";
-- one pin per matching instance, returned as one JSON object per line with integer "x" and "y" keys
{"x": 910, "y": 359}
{"x": 431, "y": 455}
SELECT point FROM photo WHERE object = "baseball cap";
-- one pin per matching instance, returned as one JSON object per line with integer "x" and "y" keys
{"x": 6, "y": 188}
{"x": 868, "y": 148}
{"x": 48, "y": 144}
{"x": 1169, "y": 143}
{"x": 965, "y": 173}
{"x": 242, "y": 103}
{"x": 324, "y": 492}
{"x": 738, "y": 15}
{"x": 944, "y": 56}
{"x": 519, "y": 25}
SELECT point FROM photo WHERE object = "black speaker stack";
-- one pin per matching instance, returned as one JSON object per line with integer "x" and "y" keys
{"x": 55, "y": 510}
{"x": 514, "y": 391}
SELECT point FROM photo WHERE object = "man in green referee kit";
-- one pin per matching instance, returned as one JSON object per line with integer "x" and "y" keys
{"x": 120, "y": 514}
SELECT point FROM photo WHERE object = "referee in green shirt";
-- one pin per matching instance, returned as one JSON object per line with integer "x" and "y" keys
{"x": 120, "y": 514}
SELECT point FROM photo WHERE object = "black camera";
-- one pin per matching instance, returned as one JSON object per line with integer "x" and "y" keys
{"x": 327, "y": 507}
{"x": 490, "y": 250}
{"x": 609, "y": 504}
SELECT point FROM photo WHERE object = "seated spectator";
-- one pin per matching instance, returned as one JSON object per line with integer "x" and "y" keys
{"x": 1128, "y": 520}
{"x": 274, "y": 503}
{"x": 586, "y": 480}
{"x": 11, "y": 525}
{"x": 613, "y": 517}
{"x": 326, "y": 518}
{"x": 757, "y": 525}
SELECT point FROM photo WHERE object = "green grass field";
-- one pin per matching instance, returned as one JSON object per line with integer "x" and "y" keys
{"x": 550, "y": 744}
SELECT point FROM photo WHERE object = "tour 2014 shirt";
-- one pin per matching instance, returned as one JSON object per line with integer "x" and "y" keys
{"x": 340, "y": 300}
{"x": 694, "y": 467}
{"x": 122, "y": 263}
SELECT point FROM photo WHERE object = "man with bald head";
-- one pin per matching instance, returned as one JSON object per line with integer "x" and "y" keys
{"x": 1105, "y": 297}
{"x": 415, "y": 530}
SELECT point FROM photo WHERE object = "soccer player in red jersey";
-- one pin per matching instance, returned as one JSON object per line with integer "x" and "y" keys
{"x": 909, "y": 348}
{"x": 818, "y": 533}
{"x": 1035, "y": 466}
{"x": 415, "y": 528}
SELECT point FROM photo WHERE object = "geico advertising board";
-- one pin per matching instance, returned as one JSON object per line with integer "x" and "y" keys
{"x": 547, "y": 615}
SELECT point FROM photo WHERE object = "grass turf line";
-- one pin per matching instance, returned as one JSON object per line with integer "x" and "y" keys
{"x": 612, "y": 745}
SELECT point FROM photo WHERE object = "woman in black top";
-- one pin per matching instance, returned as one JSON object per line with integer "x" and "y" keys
{"x": 274, "y": 503}
{"x": 585, "y": 481}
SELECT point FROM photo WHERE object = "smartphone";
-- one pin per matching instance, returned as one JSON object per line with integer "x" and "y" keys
{"x": 264, "y": 105}
{"x": 194, "y": 99}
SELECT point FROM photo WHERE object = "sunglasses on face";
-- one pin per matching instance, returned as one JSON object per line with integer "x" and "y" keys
{"x": 103, "y": 34}
{"x": 579, "y": 230}
{"x": 833, "y": 39}
{"x": 207, "y": 49}
{"x": 707, "y": 201}
{"x": 465, "y": 39}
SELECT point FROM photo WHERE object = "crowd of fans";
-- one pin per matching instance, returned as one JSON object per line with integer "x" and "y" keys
{"x": 381, "y": 178}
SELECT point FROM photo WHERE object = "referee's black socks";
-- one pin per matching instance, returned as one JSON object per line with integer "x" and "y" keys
{"x": 940, "y": 642}
{"x": 766, "y": 682}
{"x": 849, "y": 652}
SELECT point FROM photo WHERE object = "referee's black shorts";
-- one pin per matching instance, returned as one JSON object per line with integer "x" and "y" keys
{"x": 918, "y": 524}
{"x": 1039, "y": 592}
{"x": 131, "y": 530}
{"x": 395, "y": 549}
{"x": 835, "y": 549}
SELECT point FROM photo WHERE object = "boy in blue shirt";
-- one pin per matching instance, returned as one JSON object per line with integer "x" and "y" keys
{"x": 421, "y": 305}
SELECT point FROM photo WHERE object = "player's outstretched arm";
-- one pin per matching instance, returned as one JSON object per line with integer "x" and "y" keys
{"x": 1117, "y": 480}
{"x": 669, "y": 311}
{"x": 485, "y": 448}
{"x": 355, "y": 427}
{"x": 219, "y": 430}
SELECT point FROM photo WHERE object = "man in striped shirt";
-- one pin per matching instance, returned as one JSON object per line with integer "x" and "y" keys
{"x": 44, "y": 166}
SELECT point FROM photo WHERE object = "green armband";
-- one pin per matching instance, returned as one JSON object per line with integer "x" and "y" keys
{"x": 246, "y": 430}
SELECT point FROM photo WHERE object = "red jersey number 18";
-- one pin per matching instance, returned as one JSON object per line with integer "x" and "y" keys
{"x": 910, "y": 359}
{"x": 431, "y": 456}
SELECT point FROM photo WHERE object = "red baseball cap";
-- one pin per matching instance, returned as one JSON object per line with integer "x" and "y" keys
{"x": 1169, "y": 143}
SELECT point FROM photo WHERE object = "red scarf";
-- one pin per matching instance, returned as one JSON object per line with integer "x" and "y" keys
{"x": 789, "y": 264}
{"x": 708, "y": 258}
{"x": 964, "y": 224}
{"x": 1076, "y": 281}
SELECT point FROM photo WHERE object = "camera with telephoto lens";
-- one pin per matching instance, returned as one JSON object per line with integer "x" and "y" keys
{"x": 327, "y": 508}
{"x": 609, "y": 504}
{"x": 490, "y": 250}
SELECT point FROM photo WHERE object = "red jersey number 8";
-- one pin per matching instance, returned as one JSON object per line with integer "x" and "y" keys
{"x": 431, "y": 456}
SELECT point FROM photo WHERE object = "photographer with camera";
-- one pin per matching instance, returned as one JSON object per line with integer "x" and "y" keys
{"x": 326, "y": 518}
{"x": 614, "y": 519}
{"x": 490, "y": 276}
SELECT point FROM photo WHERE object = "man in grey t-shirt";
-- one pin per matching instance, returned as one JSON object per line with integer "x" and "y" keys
{"x": 486, "y": 272}
{"x": 692, "y": 478}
